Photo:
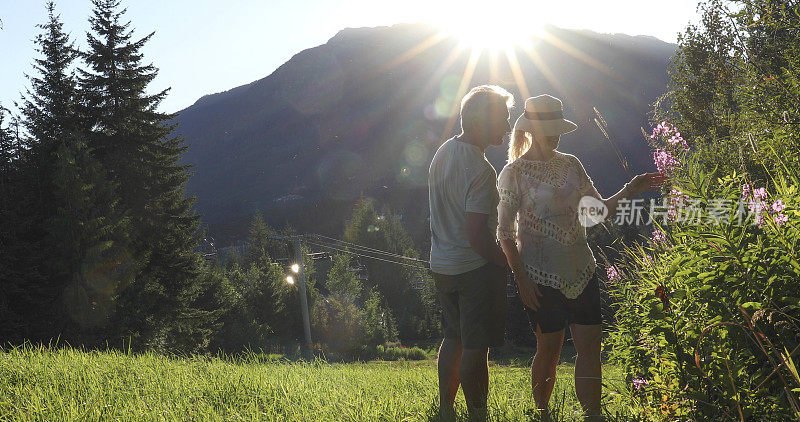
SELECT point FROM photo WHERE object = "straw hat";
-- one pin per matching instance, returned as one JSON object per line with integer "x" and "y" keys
{"x": 544, "y": 115}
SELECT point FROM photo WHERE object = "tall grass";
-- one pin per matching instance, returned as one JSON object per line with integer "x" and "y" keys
{"x": 65, "y": 384}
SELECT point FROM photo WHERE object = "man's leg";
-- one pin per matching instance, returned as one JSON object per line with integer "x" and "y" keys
{"x": 483, "y": 305}
{"x": 450, "y": 350}
{"x": 543, "y": 369}
{"x": 474, "y": 373}
{"x": 449, "y": 361}
{"x": 588, "y": 371}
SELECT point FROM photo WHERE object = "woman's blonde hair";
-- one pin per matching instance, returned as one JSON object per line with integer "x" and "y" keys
{"x": 521, "y": 142}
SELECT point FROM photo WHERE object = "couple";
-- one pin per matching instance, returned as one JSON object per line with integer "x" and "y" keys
{"x": 533, "y": 210}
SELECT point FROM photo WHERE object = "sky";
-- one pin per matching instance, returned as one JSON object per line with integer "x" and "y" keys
{"x": 207, "y": 46}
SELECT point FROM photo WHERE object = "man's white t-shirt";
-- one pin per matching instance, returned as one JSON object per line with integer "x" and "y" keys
{"x": 460, "y": 180}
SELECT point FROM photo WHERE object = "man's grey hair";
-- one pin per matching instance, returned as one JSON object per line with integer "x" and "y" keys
{"x": 479, "y": 100}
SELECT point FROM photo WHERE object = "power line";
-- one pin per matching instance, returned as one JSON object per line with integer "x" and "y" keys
{"x": 363, "y": 255}
{"x": 368, "y": 249}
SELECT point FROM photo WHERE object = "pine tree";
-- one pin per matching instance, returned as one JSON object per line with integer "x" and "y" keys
{"x": 9, "y": 282}
{"x": 47, "y": 118}
{"x": 378, "y": 321}
{"x": 134, "y": 142}
{"x": 261, "y": 246}
{"x": 414, "y": 309}
{"x": 50, "y": 105}
{"x": 7, "y": 150}
{"x": 93, "y": 262}
{"x": 342, "y": 280}
{"x": 64, "y": 266}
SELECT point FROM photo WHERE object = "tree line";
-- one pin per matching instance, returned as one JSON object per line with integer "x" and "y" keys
{"x": 98, "y": 240}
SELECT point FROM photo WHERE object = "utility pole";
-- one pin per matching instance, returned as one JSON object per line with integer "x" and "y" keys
{"x": 301, "y": 281}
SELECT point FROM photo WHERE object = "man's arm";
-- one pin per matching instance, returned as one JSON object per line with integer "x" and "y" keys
{"x": 480, "y": 241}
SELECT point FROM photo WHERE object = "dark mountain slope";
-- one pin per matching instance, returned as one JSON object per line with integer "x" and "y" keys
{"x": 364, "y": 113}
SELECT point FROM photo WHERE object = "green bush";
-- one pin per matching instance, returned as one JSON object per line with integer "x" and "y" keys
{"x": 707, "y": 319}
{"x": 336, "y": 323}
{"x": 389, "y": 353}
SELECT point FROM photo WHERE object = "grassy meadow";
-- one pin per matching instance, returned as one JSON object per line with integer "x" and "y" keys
{"x": 68, "y": 384}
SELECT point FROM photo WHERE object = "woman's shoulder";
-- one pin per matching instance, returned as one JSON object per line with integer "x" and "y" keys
{"x": 572, "y": 160}
{"x": 569, "y": 157}
{"x": 509, "y": 172}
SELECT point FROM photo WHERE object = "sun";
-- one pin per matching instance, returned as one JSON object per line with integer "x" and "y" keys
{"x": 487, "y": 32}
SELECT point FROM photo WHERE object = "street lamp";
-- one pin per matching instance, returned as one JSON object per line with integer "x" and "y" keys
{"x": 295, "y": 268}
{"x": 290, "y": 279}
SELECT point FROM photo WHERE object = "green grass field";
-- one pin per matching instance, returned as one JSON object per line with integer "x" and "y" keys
{"x": 66, "y": 384}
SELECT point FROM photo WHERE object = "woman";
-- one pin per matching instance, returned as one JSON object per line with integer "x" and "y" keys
{"x": 546, "y": 247}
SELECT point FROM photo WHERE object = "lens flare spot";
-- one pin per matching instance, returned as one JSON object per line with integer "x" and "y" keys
{"x": 448, "y": 88}
{"x": 415, "y": 154}
{"x": 430, "y": 112}
{"x": 444, "y": 108}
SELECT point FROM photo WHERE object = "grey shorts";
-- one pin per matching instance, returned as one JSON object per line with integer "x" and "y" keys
{"x": 474, "y": 306}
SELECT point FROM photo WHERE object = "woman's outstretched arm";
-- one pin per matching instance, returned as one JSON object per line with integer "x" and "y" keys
{"x": 638, "y": 184}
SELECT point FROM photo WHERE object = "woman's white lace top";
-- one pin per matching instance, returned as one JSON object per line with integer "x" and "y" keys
{"x": 539, "y": 208}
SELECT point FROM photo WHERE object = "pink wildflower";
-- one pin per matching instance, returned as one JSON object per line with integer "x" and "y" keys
{"x": 664, "y": 160}
{"x": 677, "y": 139}
{"x": 639, "y": 383}
{"x": 677, "y": 200}
{"x": 659, "y": 236}
{"x": 747, "y": 190}
{"x": 756, "y": 207}
{"x": 781, "y": 218}
{"x": 778, "y": 206}
{"x": 612, "y": 273}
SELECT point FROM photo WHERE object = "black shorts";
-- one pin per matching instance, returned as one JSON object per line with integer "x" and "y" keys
{"x": 556, "y": 311}
{"x": 474, "y": 306}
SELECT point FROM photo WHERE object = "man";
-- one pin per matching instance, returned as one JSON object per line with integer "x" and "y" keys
{"x": 467, "y": 264}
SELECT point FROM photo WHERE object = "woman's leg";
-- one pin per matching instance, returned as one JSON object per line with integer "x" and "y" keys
{"x": 543, "y": 369}
{"x": 588, "y": 372}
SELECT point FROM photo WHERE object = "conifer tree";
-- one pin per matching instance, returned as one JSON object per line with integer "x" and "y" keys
{"x": 67, "y": 222}
{"x": 341, "y": 280}
{"x": 12, "y": 322}
{"x": 260, "y": 244}
{"x": 134, "y": 142}
{"x": 413, "y": 309}
{"x": 46, "y": 117}
{"x": 7, "y": 150}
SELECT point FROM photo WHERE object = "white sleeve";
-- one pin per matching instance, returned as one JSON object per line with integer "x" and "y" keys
{"x": 585, "y": 183}
{"x": 480, "y": 192}
{"x": 510, "y": 195}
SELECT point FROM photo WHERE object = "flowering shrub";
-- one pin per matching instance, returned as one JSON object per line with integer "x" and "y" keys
{"x": 708, "y": 313}
{"x": 710, "y": 328}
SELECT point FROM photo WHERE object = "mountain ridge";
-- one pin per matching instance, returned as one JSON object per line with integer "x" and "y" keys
{"x": 360, "y": 115}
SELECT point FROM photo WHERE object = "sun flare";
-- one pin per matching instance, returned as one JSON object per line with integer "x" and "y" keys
{"x": 481, "y": 32}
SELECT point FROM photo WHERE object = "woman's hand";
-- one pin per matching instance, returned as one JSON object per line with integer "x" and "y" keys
{"x": 528, "y": 290}
{"x": 645, "y": 182}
